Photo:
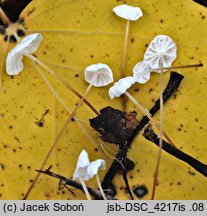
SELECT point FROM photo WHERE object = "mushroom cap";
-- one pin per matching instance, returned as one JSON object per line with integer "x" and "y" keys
{"x": 86, "y": 169}
{"x": 161, "y": 52}
{"x": 128, "y": 12}
{"x": 95, "y": 166}
{"x": 81, "y": 166}
{"x": 121, "y": 87}
{"x": 27, "y": 46}
{"x": 141, "y": 72}
{"x": 98, "y": 75}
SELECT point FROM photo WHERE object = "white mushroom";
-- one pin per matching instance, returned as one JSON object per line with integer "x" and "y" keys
{"x": 129, "y": 13}
{"x": 141, "y": 72}
{"x": 86, "y": 170}
{"x": 26, "y": 47}
{"x": 121, "y": 87}
{"x": 161, "y": 52}
{"x": 97, "y": 75}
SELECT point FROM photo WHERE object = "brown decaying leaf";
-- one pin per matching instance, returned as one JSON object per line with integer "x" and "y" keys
{"x": 114, "y": 126}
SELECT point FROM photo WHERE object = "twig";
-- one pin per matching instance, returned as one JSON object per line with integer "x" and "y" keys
{"x": 196, "y": 164}
{"x": 172, "y": 86}
{"x": 94, "y": 192}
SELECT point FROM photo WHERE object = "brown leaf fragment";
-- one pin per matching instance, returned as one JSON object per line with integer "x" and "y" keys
{"x": 114, "y": 126}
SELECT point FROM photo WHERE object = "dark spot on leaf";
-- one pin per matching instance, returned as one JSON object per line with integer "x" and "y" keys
{"x": 17, "y": 139}
{"x": 12, "y": 39}
{"x": 136, "y": 89}
{"x": 191, "y": 173}
{"x": 2, "y": 166}
{"x": 140, "y": 191}
{"x": 20, "y": 32}
{"x": 5, "y": 37}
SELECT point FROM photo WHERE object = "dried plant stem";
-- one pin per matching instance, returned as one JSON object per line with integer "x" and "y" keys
{"x": 63, "y": 82}
{"x": 61, "y": 131}
{"x": 85, "y": 189}
{"x": 160, "y": 140}
{"x": 94, "y": 192}
{"x": 6, "y": 21}
{"x": 178, "y": 67}
{"x": 52, "y": 89}
{"x": 145, "y": 112}
{"x": 100, "y": 187}
{"x": 123, "y": 61}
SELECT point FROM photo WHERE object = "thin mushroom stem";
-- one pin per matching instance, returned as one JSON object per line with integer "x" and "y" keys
{"x": 6, "y": 21}
{"x": 145, "y": 112}
{"x": 62, "y": 81}
{"x": 85, "y": 188}
{"x": 100, "y": 187}
{"x": 161, "y": 134}
{"x": 123, "y": 62}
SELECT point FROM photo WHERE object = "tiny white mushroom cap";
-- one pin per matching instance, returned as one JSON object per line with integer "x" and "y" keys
{"x": 141, "y": 72}
{"x": 27, "y": 46}
{"x": 86, "y": 169}
{"x": 121, "y": 87}
{"x": 161, "y": 52}
{"x": 81, "y": 166}
{"x": 95, "y": 166}
{"x": 98, "y": 75}
{"x": 128, "y": 12}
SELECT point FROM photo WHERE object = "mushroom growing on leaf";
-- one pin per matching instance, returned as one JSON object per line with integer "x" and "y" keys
{"x": 128, "y": 13}
{"x": 160, "y": 53}
{"x": 86, "y": 170}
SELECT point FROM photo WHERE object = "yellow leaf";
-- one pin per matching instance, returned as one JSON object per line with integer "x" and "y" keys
{"x": 78, "y": 33}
